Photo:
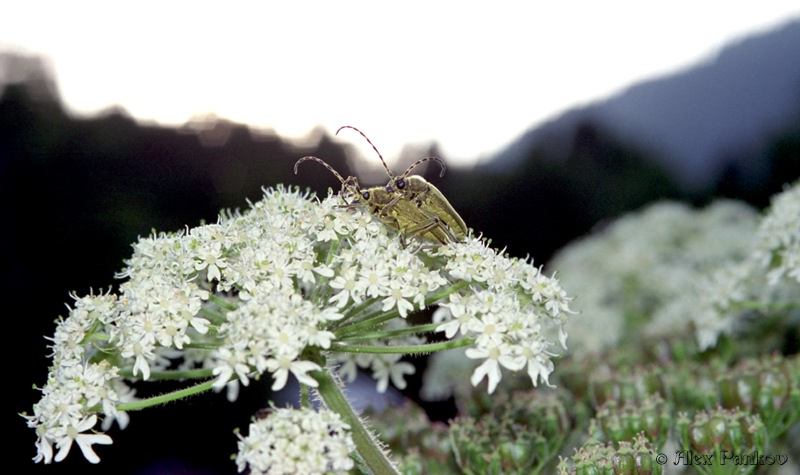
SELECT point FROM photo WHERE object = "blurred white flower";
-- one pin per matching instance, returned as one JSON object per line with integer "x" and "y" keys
{"x": 778, "y": 248}
{"x": 649, "y": 271}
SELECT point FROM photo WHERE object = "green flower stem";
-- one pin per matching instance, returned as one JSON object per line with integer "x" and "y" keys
{"x": 224, "y": 303}
{"x": 168, "y": 397}
{"x": 96, "y": 328}
{"x": 305, "y": 400}
{"x": 214, "y": 317}
{"x": 393, "y": 333}
{"x": 323, "y": 281}
{"x": 367, "y": 445}
{"x": 433, "y": 298}
{"x": 172, "y": 375}
{"x": 404, "y": 350}
{"x": 352, "y": 312}
{"x": 370, "y": 321}
{"x": 332, "y": 251}
{"x": 377, "y": 318}
{"x": 96, "y": 337}
{"x": 203, "y": 346}
{"x": 360, "y": 308}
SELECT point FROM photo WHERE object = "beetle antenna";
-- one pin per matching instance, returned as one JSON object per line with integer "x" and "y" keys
{"x": 322, "y": 162}
{"x": 423, "y": 160}
{"x": 388, "y": 172}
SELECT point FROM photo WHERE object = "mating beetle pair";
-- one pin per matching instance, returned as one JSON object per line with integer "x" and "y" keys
{"x": 410, "y": 204}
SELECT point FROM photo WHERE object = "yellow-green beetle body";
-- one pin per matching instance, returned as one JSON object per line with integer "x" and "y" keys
{"x": 409, "y": 204}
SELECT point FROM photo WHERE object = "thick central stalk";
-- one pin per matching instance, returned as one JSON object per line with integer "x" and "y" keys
{"x": 367, "y": 445}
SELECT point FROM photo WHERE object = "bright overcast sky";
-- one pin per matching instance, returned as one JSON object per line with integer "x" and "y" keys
{"x": 472, "y": 76}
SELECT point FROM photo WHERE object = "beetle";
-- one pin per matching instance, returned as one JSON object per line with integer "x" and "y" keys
{"x": 407, "y": 203}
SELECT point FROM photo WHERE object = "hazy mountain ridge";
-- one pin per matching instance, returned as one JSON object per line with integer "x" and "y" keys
{"x": 695, "y": 120}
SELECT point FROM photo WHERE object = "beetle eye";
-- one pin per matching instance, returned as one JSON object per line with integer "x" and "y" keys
{"x": 365, "y": 195}
{"x": 401, "y": 184}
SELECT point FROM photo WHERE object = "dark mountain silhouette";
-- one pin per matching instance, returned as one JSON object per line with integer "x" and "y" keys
{"x": 696, "y": 121}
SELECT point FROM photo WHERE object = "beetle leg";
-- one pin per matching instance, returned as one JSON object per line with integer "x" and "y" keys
{"x": 396, "y": 224}
{"x": 433, "y": 223}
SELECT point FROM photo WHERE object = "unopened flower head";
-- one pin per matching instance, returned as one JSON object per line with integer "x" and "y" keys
{"x": 292, "y": 286}
{"x": 289, "y": 441}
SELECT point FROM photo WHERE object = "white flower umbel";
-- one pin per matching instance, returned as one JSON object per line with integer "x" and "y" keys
{"x": 78, "y": 387}
{"x": 289, "y": 441}
{"x": 294, "y": 287}
{"x": 778, "y": 247}
{"x": 651, "y": 271}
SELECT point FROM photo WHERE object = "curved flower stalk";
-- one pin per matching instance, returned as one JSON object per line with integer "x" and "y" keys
{"x": 292, "y": 286}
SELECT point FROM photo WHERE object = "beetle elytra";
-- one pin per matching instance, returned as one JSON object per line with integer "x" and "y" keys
{"x": 407, "y": 203}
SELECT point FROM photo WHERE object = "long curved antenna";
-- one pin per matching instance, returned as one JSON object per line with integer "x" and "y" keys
{"x": 423, "y": 160}
{"x": 322, "y": 162}
{"x": 388, "y": 172}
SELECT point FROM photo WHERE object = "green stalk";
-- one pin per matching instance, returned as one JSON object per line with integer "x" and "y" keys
{"x": 368, "y": 322}
{"x": 404, "y": 350}
{"x": 305, "y": 400}
{"x": 351, "y": 312}
{"x": 172, "y": 375}
{"x": 168, "y": 397}
{"x": 214, "y": 317}
{"x": 367, "y": 445}
{"x": 355, "y": 310}
{"x": 203, "y": 346}
{"x": 446, "y": 292}
{"x": 323, "y": 281}
{"x": 379, "y": 317}
{"x": 224, "y": 303}
{"x": 388, "y": 334}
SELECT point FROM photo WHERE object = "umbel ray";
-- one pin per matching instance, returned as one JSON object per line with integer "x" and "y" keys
{"x": 408, "y": 203}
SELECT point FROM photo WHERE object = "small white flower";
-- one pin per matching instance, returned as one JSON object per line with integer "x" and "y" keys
{"x": 373, "y": 281}
{"x": 281, "y": 366}
{"x": 398, "y": 296}
{"x": 211, "y": 258}
{"x": 539, "y": 363}
{"x": 389, "y": 367}
{"x": 459, "y": 318}
{"x": 308, "y": 272}
{"x": 495, "y": 357}
{"x": 233, "y": 364}
{"x": 490, "y": 330}
{"x": 75, "y": 433}
{"x": 345, "y": 283}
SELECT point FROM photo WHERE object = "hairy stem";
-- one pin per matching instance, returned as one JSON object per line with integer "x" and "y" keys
{"x": 168, "y": 397}
{"x": 367, "y": 445}
{"x": 404, "y": 350}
